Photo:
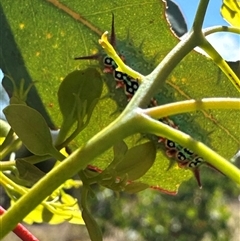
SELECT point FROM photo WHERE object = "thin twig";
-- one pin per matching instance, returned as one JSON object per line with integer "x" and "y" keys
{"x": 21, "y": 231}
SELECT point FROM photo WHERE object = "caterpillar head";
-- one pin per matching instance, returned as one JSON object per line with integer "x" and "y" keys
{"x": 108, "y": 62}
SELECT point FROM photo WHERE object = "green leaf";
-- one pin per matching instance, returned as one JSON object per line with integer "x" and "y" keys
{"x": 94, "y": 230}
{"x": 92, "y": 226}
{"x": 86, "y": 84}
{"x": 31, "y": 128}
{"x": 135, "y": 187}
{"x": 28, "y": 172}
{"x": 119, "y": 152}
{"x": 77, "y": 97}
{"x": 230, "y": 11}
{"x": 127, "y": 166}
{"x": 137, "y": 161}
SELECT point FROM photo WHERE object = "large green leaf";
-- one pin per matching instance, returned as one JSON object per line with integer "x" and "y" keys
{"x": 46, "y": 39}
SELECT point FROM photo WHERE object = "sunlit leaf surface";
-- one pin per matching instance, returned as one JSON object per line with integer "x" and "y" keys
{"x": 230, "y": 11}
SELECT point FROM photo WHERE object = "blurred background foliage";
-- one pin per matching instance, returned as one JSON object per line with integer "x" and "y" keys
{"x": 193, "y": 214}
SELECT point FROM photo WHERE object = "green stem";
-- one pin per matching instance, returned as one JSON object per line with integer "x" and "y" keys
{"x": 78, "y": 160}
{"x": 199, "y": 17}
{"x": 155, "y": 80}
{"x": 67, "y": 140}
{"x": 209, "y": 49}
{"x": 12, "y": 147}
{"x": 65, "y": 129}
{"x": 36, "y": 159}
{"x": 193, "y": 105}
{"x": 216, "y": 29}
{"x": 8, "y": 183}
{"x": 7, "y": 165}
{"x": 7, "y": 140}
{"x": 57, "y": 155}
{"x": 157, "y": 128}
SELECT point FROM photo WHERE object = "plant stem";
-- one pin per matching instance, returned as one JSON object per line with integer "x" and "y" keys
{"x": 7, "y": 165}
{"x": 199, "y": 17}
{"x": 215, "y": 29}
{"x": 57, "y": 155}
{"x": 122, "y": 127}
{"x": 21, "y": 231}
{"x": 12, "y": 147}
{"x": 155, "y": 80}
{"x": 157, "y": 128}
{"x": 193, "y": 105}
{"x": 7, "y": 140}
{"x": 216, "y": 57}
{"x": 8, "y": 183}
{"x": 36, "y": 159}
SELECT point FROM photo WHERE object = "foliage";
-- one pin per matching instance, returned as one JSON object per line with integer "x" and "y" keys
{"x": 192, "y": 214}
{"x": 87, "y": 97}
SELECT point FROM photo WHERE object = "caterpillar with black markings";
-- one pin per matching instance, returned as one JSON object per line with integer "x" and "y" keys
{"x": 184, "y": 157}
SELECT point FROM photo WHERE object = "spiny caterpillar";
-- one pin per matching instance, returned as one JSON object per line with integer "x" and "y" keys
{"x": 183, "y": 156}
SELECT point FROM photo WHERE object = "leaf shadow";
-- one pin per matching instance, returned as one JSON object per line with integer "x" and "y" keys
{"x": 12, "y": 64}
